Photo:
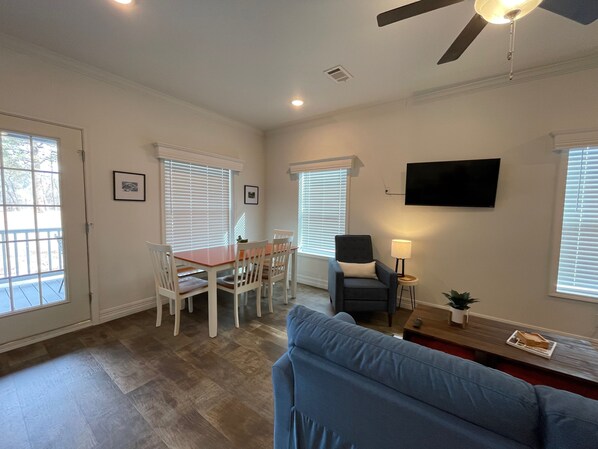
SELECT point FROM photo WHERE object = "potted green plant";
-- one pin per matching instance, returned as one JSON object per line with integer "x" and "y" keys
{"x": 459, "y": 303}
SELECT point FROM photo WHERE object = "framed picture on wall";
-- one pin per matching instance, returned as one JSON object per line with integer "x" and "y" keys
{"x": 128, "y": 186}
{"x": 252, "y": 194}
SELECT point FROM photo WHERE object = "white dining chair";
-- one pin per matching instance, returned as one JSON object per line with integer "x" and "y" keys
{"x": 277, "y": 268}
{"x": 281, "y": 234}
{"x": 169, "y": 284}
{"x": 247, "y": 274}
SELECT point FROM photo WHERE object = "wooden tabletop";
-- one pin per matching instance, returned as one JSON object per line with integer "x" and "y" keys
{"x": 216, "y": 256}
{"x": 573, "y": 357}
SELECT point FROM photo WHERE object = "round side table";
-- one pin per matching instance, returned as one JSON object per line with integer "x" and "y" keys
{"x": 408, "y": 281}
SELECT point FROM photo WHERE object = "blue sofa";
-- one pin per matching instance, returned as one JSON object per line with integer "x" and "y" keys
{"x": 342, "y": 386}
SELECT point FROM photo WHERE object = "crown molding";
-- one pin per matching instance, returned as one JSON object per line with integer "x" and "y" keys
{"x": 586, "y": 62}
{"x": 22, "y": 47}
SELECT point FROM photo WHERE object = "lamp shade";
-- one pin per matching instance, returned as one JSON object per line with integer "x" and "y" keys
{"x": 495, "y": 11}
{"x": 401, "y": 249}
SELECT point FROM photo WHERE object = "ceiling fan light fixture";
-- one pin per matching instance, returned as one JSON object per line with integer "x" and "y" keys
{"x": 501, "y": 11}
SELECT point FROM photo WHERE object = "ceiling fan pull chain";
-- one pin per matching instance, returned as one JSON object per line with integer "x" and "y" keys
{"x": 511, "y": 47}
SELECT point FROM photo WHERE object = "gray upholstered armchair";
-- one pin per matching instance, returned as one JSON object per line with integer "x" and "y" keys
{"x": 360, "y": 294}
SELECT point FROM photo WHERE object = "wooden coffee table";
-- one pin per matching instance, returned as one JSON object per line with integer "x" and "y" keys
{"x": 573, "y": 366}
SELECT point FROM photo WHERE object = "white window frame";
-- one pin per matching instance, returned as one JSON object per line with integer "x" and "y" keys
{"x": 341, "y": 163}
{"x": 563, "y": 143}
{"x": 187, "y": 155}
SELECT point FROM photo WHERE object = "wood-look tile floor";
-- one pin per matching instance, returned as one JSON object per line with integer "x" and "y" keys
{"x": 126, "y": 384}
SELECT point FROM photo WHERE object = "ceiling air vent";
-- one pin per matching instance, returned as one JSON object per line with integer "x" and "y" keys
{"x": 338, "y": 74}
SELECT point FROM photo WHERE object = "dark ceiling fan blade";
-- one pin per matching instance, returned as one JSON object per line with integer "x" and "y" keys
{"x": 411, "y": 10}
{"x": 581, "y": 11}
{"x": 464, "y": 40}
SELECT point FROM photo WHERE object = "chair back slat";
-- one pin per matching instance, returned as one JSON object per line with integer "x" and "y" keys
{"x": 283, "y": 233}
{"x": 249, "y": 264}
{"x": 279, "y": 260}
{"x": 165, "y": 274}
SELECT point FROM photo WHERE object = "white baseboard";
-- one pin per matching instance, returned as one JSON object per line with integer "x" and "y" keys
{"x": 43, "y": 336}
{"x": 312, "y": 281}
{"x": 110, "y": 314}
{"x": 113, "y": 313}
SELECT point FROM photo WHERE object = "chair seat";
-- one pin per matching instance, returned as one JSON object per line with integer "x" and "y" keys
{"x": 184, "y": 271}
{"x": 365, "y": 289}
{"x": 226, "y": 281}
{"x": 191, "y": 283}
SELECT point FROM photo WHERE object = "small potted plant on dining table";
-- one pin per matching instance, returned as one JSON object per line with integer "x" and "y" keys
{"x": 459, "y": 303}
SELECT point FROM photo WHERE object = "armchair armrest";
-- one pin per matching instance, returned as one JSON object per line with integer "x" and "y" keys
{"x": 336, "y": 280}
{"x": 389, "y": 278}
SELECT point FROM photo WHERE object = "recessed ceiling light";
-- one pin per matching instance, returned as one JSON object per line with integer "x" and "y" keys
{"x": 297, "y": 102}
{"x": 124, "y": 2}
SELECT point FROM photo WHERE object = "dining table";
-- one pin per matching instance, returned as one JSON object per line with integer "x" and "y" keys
{"x": 220, "y": 258}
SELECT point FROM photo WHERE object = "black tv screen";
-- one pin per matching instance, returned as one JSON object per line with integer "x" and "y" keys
{"x": 470, "y": 183}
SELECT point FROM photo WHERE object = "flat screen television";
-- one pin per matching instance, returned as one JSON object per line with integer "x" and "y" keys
{"x": 469, "y": 183}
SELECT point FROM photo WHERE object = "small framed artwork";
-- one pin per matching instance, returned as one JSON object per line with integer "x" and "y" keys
{"x": 252, "y": 194}
{"x": 129, "y": 186}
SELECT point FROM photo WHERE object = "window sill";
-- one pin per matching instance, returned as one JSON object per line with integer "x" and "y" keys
{"x": 573, "y": 297}
{"x": 314, "y": 256}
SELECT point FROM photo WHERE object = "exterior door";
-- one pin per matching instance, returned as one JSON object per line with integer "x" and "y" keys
{"x": 44, "y": 279}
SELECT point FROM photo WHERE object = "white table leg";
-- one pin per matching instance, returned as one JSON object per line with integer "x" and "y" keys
{"x": 293, "y": 274}
{"x": 212, "y": 304}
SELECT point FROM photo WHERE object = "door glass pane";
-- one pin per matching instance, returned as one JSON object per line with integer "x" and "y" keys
{"x": 53, "y": 287}
{"x": 45, "y": 154}
{"x": 47, "y": 191}
{"x": 31, "y": 260}
{"x": 18, "y": 187}
{"x": 49, "y": 222}
{"x": 21, "y": 222}
{"x": 16, "y": 151}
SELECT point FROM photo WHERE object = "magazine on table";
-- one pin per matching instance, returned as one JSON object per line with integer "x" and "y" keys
{"x": 518, "y": 343}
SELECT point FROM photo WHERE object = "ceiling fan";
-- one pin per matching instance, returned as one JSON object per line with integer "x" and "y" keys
{"x": 492, "y": 11}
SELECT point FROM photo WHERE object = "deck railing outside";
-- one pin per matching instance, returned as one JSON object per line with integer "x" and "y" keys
{"x": 22, "y": 245}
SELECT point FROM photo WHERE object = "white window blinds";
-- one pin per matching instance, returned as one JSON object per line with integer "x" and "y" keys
{"x": 197, "y": 205}
{"x": 322, "y": 210}
{"x": 578, "y": 257}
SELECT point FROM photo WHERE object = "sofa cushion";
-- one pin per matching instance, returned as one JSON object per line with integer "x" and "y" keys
{"x": 365, "y": 289}
{"x": 359, "y": 270}
{"x": 568, "y": 421}
{"x": 479, "y": 395}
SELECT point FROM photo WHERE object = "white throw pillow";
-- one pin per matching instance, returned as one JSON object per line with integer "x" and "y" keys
{"x": 359, "y": 270}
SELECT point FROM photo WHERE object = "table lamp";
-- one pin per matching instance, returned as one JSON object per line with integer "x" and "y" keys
{"x": 401, "y": 250}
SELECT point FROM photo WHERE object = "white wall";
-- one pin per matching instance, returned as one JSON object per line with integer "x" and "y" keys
{"x": 120, "y": 124}
{"x": 500, "y": 255}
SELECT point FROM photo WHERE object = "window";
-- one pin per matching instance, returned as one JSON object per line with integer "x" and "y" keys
{"x": 322, "y": 210}
{"x": 578, "y": 254}
{"x": 197, "y": 205}
{"x": 577, "y": 271}
{"x": 31, "y": 260}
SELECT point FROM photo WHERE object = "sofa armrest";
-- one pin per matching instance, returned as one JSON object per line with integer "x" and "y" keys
{"x": 336, "y": 280}
{"x": 344, "y": 316}
{"x": 284, "y": 400}
{"x": 389, "y": 278}
{"x": 568, "y": 421}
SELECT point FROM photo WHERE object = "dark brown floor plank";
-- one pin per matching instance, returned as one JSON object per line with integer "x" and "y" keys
{"x": 174, "y": 419}
{"x": 13, "y": 431}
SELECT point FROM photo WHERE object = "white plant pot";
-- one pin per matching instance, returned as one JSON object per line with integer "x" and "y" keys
{"x": 459, "y": 317}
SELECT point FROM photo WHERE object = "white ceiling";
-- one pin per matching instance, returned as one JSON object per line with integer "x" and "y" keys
{"x": 246, "y": 59}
